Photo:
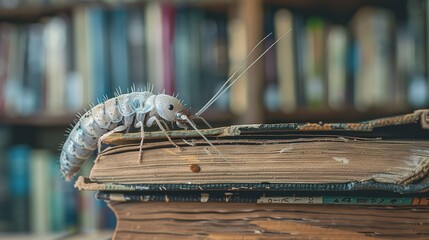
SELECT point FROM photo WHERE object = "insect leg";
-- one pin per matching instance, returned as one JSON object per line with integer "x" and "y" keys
{"x": 154, "y": 118}
{"x": 165, "y": 124}
{"x": 104, "y": 136}
{"x": 141, "y": 141}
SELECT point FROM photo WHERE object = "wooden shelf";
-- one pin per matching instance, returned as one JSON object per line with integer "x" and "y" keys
{"x": 39, "y": 120}
{"x": 34, "y": 12}
{"x": 336, "y": 10}
{"x": 333, "y": 116}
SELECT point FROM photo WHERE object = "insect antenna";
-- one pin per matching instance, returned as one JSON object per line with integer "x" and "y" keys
{"x": 207, "y": 105}
{"x": 221, "y": 91}
{"x": 202, "y": 119}
{"x": 191, "y": 123}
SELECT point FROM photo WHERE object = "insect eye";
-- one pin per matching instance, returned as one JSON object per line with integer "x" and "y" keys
{"x": 170, "y": 107}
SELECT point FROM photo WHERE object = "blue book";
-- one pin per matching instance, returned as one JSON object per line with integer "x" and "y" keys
{"x": 18, "y": 161}
{"x": 99, "y": 68}
{"x": 118, "y": 49}
{"x": 187, "y": 47}
{"x": 57, "y": 198}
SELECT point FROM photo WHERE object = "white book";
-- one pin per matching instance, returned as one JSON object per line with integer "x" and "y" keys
{"x": 40, "y": 187}
{"x": 336, "y": 66}
{"x": 56, "y": 65}
{"x": 82, "y": 56}
{"x": 153, "y": 33}
{"x": 373, "y": 85}
{"x": 237, "y": 55}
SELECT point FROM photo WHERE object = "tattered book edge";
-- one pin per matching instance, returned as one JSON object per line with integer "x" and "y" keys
{"x": 311, "y": 198}
{"x": 86, "y": 184}
{"x": 238, "y": 130}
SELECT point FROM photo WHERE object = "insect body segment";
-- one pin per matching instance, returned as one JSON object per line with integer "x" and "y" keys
{"x": 116, "y": 115}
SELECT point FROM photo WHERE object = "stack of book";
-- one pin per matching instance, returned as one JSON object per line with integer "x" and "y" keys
{"x": 323, "y": 180}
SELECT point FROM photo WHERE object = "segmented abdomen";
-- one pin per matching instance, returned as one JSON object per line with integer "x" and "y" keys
{"x": 83, "y": 138}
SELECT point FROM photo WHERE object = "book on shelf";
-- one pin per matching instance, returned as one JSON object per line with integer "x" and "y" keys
{"x": 19, "y": 187}
{"x": 374, "y": 81}
{"x": 268, "y": 172}
{"x": 118, "y": 35}
{"x": 283, "y": 20}
{"x": 35, "y": 199}
{"x": 62, "y": 62}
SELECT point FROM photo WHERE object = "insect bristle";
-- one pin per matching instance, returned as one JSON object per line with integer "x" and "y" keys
{"x": 149, "y": 87}
{"x": 60, "y": 147}
{"x": 116, "y": 92}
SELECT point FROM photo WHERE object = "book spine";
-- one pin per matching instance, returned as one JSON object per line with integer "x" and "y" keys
{"x": 417, "y": 26}
{"x": 272, "y": 87}
{"x": 4, "y": 50}
{"x": 118, "y": 49}
{"x": 237, "y": 47}
{"x": 137, "y": 48}
{"x": 19, "y": 187}
{"x": 56, "y": 64}
{"x": 285, "y": 61}
{"x": 263, "y": 198}
{"x": 57, "y": 210}
{"x": 82, "y": 63}
{"x": 155, "y": 56}
{"x": 4, "y": 187}
{"x": 185, "y": 52}
{"x": 98, "y": 53}
{"x": 35, "y": 69}
{"x": 336, "y": 66}
{"x": 167, "y": 21}
{"x": 315, "y": 83}
{"x": 40, "y": 191}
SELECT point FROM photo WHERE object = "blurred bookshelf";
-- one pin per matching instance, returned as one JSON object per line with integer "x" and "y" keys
{"x": 342, "y": 61}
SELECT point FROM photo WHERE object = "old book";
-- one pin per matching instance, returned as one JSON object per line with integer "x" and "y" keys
{"x": 298, "y": 180}
{"x": 386, "y": 153}
{"x": 183, "y": 220}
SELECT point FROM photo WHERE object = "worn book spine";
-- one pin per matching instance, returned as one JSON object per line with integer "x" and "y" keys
{"x": 326, "y": 198}
{"x": 178, "y": 220}
{"x": 86, "y": 184}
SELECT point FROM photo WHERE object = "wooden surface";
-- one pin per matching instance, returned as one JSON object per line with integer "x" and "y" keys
{"x": 267, "y": 221}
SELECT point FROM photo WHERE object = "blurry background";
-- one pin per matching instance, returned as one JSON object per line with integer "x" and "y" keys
{"x": 343, "y": 61}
